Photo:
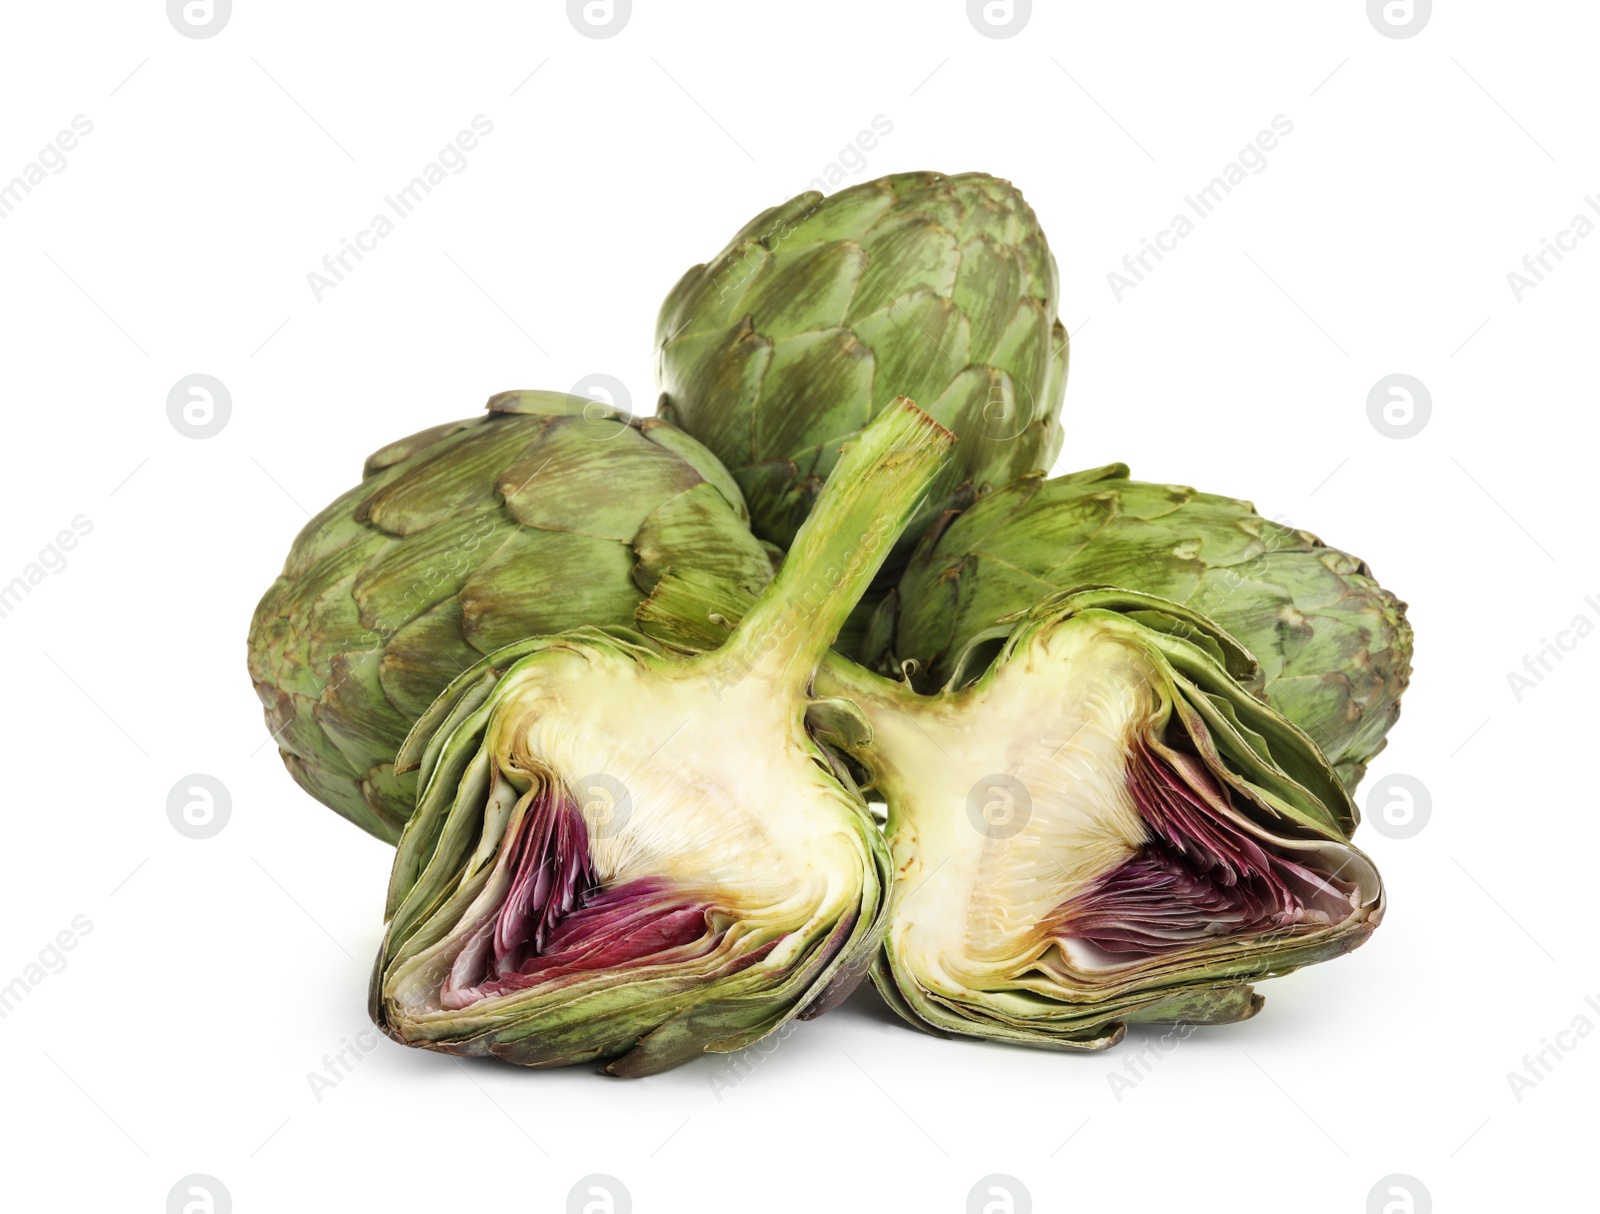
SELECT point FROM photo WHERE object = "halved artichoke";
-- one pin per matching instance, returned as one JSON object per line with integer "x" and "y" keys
{"x": 1106, "y": 826}
{"x": 545, "y": 514}
{"x": 627, "y": 855}
{"x": 1334, "y": 646}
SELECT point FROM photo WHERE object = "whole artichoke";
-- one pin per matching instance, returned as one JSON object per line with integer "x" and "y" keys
{"x": 543, "y": 515}
{"x": 1334, "y": 646}
{"x": 822, "y": 310}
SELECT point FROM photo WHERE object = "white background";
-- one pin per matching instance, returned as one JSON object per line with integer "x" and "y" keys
{"x": 179, "y": 1036}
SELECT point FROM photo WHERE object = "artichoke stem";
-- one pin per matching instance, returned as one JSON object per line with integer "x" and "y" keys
{"x": 873, "y": 493}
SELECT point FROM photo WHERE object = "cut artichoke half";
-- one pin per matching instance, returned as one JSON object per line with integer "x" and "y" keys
{"x": 1107, "y": 826}
{"x": 628, "y": 855}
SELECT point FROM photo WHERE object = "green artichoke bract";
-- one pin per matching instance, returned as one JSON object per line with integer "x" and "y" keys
{"x": 542, "y": 515}
{"x": 1334, "y": 646}
{"x": 824, "y": 309}
{"x": 1107, "y": 826}
{"x": 624, "y": 855}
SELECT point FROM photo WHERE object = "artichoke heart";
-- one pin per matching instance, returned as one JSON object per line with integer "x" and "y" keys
{"x": 627, "y": 855}
{"x": 1106, "y": 826}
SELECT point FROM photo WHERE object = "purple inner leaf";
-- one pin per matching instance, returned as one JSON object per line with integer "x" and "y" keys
{"x": 1199, "y": 876}
{"x": 558, "y": 921}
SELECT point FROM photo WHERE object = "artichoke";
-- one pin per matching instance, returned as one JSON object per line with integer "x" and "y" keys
{"x": 626, "y": 855}
{"x": 823, "y": 310}
{"x": 1107, "y": 826}
{"x": 1334, "y": 646}
{"x": 543, "y": 515}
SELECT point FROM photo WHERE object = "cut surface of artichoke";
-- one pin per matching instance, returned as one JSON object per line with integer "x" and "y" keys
{"x": 633, "y": 856}
{"x": 1105, "y": 827}
{"x": 713, "y": 842}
